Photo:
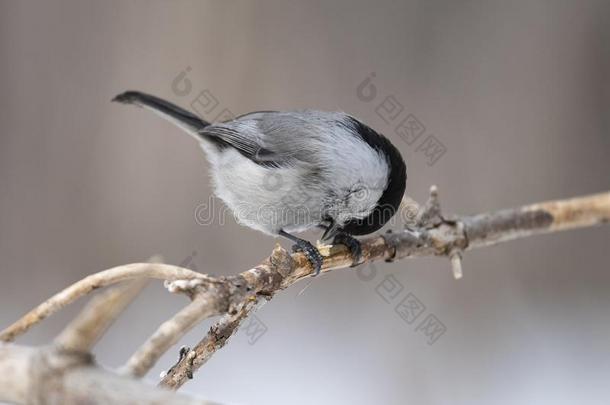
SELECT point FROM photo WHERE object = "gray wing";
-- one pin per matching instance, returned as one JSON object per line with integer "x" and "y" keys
{"x": 277, "y": 138}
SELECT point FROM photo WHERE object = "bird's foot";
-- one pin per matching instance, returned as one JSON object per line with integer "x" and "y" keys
{"x": 352, "y": 244}
{"x": 312, "y": 254}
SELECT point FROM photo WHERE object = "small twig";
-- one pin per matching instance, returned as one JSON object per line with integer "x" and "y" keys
{"x": 92, "y": 282}
{"x": 86, "y": 329}
{"x": 216, "y": 338}
{"x": 101, "y": 311}
{"x": 430, "y": 215}
{"x": 456, "y": 264}
{"x": 168, "y": 334}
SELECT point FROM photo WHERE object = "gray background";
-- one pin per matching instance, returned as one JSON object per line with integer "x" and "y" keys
{"x": 518, "y": 92}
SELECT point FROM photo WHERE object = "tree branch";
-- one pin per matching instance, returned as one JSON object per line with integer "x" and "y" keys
{"x": 91, "y": 283}
{"x": 168, "y": 334}
{"x": 216, "y": 338}
{"x": 434, "y": 236}
{"x": 97, "y": 316}
{"x": 93, "y": 321}
{"x": 236, "y": 297}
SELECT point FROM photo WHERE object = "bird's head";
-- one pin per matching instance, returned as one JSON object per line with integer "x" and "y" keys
{"x": 371, "y": 202}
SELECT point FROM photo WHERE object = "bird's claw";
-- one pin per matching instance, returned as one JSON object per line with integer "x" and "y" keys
{"x": 312, "y": 253}
{"x": 352, "y": 244}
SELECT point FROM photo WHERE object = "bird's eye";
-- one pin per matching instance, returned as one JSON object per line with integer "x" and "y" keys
{"x": 359, "y": 192}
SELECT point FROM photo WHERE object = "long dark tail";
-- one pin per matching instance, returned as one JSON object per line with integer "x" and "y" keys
{"x": 179, "y": 116}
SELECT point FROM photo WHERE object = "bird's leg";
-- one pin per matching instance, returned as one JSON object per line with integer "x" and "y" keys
{"x": 346, "y": 240}
{"x": 310, "y": 251}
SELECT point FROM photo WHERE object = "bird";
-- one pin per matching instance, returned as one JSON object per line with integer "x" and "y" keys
{"x": 286, "y": 172}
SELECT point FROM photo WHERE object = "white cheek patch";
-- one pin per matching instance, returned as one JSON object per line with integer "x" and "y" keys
{"x": 362, "y": 173}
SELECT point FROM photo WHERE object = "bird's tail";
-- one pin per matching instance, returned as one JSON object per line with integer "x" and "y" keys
{"x": 171, "y": 112}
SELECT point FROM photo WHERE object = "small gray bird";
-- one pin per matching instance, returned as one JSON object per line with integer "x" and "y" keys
{"x": 287, "y": 172}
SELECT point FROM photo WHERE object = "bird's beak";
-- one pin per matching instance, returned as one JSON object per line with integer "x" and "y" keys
{"x": 330, "y": 232}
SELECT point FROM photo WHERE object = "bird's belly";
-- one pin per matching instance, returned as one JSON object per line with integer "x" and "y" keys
{"x": 266, "y": 199}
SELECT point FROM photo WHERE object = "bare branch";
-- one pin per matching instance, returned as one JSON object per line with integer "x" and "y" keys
{"x": 551, "y": 216}
{"x": 236, "y": 296}
{"x": 95, "y": 281}
{"x": 436, "y": 236}
{"x": 216, "y": 338}
{"x": 168, "y": 334}
{"x": 99, "y": 314}
{"x": 93, "y": 321}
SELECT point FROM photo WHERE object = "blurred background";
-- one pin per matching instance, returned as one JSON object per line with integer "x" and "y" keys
{"x": 515, "y": 95}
